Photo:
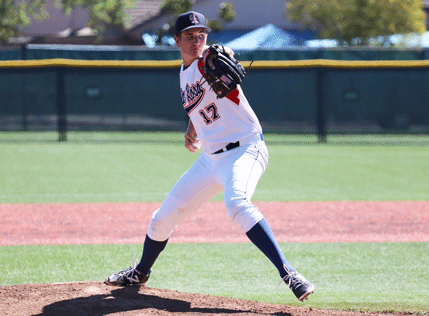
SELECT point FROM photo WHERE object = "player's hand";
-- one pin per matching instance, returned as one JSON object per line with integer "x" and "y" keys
{"x": 192, "y": 143}
{"x": 229, "y": 51}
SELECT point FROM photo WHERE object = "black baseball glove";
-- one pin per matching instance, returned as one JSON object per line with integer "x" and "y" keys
{"x": 222, "y": 72}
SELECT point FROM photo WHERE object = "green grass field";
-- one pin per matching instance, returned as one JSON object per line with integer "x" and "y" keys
{"x": 115, "y": 167}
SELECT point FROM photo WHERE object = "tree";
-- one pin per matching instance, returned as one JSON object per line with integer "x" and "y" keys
{"x": 226, "y": 14}
{"x": 103, "y": 13}
{"x": 16, "y": 13}
{"x": 357, "y": 21}
{"x": 176, "y": 6}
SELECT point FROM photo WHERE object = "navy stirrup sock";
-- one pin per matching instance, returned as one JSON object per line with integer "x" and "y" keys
{"x": 263, "y": 238}
{"x": 151, "y": 251}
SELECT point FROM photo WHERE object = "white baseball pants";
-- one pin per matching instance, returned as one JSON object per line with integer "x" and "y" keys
{"x": 236, "y": 171}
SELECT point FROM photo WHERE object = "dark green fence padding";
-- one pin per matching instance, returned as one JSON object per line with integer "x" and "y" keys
{"x": 304, "y": 96}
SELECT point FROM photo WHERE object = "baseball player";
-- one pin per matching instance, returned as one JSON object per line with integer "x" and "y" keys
{"x": 233, "y": 159}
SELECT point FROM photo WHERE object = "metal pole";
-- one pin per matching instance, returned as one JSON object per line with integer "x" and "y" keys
{"x": 321, "y": 107}
{"x": 61, "y": 105}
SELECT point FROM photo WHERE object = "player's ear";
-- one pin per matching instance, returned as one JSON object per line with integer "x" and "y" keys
{"x": 177, "y": 40}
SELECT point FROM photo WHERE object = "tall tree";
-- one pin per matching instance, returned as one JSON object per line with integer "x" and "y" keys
{"x": 357, "y": 21}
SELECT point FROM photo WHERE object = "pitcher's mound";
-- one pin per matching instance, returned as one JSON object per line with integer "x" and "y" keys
{"x": 96, "y": 298}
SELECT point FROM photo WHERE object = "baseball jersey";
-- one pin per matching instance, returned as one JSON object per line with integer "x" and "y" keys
{"x": 217, "y": 122}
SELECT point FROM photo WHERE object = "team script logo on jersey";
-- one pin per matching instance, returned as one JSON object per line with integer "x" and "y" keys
{"x": 192, "y": 96}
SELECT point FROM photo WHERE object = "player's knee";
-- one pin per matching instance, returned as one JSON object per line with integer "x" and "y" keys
{"x": 243, "y": 213}
{"x": 159, "y": 229}
{"x": 235, "y": 204}
{"x": 165, "y": 219}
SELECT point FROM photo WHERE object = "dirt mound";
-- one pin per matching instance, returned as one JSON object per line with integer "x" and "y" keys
{"x": 96, "y": 298}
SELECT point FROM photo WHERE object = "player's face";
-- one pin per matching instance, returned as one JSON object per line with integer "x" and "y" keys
{"x": 192, "y": 42}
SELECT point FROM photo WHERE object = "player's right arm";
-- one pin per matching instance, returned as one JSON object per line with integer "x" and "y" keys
{"x": 192, "y": 143}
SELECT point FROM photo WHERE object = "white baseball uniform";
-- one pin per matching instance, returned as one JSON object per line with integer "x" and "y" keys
{"x": 234, "y": 157}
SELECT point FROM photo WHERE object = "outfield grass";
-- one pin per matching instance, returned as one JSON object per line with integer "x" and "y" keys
{"x": 350, "y": 276}
{"x": 115, "y": 167}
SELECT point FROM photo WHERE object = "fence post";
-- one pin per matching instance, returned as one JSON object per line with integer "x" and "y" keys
{"x": 321, "y": 106}
{"x": 61, "y": 105}
{"x": 24, "y": 51}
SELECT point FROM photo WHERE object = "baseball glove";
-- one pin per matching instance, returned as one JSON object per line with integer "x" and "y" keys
{"x": 222, "y": 71}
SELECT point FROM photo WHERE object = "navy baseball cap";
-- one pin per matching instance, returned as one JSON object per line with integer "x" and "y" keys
{"x": 190, "y": 20}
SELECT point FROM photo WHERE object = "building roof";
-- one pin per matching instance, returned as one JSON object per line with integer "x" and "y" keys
{"x": 142, "y": 11}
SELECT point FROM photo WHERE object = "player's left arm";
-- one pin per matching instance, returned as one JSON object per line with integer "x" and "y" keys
{"x": 192, "y": 143}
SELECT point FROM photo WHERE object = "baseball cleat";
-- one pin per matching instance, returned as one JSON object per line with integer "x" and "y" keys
{"x": 129, "y": 276}
{"x": 299, "y": 285}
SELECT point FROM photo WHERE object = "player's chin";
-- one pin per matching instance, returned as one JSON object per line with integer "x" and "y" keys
{"x": 197, "y": 52}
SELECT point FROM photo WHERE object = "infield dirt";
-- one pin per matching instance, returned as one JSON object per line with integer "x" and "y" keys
{"x": 291, "y": 222}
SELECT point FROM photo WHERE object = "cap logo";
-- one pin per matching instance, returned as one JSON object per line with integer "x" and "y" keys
{"x": 194, "y": 19}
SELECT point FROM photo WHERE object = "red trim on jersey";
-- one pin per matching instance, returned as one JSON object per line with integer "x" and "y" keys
{"x": 201, "y": 66}
{"x": 233, "y": 96}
